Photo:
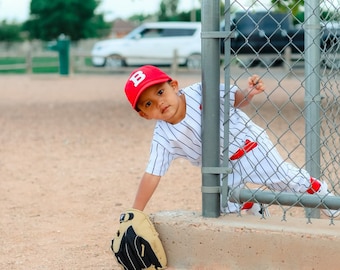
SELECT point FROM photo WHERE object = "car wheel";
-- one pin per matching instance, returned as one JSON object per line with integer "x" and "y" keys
{"x": 114, "y": 61}
{"x": 194, "y": 61}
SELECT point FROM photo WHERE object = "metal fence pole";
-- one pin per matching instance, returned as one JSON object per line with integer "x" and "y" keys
{"x": 285, "y": 198}
{"x": 210, "y": 113}
{"x": 227, "y": 63}
{"x": 312, "y": 91}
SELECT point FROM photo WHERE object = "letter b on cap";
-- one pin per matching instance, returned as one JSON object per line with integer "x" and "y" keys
{"x": 137, "y": 78}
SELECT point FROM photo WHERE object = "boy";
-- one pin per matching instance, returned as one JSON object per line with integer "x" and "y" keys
{"x": 177, "y": 134}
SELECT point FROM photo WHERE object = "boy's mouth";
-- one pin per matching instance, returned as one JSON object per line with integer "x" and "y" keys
{"x": 165, "y": 109}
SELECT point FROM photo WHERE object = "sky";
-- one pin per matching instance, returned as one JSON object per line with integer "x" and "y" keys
{"x": 18, "y": 10}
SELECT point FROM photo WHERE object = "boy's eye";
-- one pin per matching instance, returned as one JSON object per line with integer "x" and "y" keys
{"x": 160, "y": 92}
{"x": 148, "y": 104}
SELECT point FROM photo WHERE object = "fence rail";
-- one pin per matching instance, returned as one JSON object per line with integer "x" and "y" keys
{"x": 80, "y": 61}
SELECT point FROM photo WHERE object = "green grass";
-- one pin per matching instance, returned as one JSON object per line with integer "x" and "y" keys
{"x": 39, "y": 65}
{"x": 88, "y": 61}
{"x": 45, "y": 65}
{"x": 11, "y": 61}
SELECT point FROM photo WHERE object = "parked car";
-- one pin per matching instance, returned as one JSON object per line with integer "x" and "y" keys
{"x": 259, "y": 32}
{"x": 152, "y": 43}
{"x": 331, "y": 44}
{"x": 270, "y": 33}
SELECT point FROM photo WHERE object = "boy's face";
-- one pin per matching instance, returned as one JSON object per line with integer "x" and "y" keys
{"x": 161, "y": 102}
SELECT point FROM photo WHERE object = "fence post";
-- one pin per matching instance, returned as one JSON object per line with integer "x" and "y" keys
{"x": 312, "y": 92}
{"x": 227, "y": 50}
{"x": 28, "y": 54}
{"x": 211, "y": 110}
{"x": 174, "y": 64}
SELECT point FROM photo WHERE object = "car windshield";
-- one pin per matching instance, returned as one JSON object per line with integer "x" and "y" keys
{"x": 134, "y": 32}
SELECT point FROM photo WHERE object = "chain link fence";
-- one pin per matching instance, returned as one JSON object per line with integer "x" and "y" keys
{"x": 298, "y": 57}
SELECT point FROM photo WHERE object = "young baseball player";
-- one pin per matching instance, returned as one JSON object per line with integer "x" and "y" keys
{"x": 177, "y": 134}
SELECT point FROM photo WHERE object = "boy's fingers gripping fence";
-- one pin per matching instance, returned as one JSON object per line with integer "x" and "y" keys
{"x": 137, "y": 244}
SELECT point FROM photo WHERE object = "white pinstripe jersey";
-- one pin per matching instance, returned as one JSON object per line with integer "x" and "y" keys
{"x": 183, "y": 140}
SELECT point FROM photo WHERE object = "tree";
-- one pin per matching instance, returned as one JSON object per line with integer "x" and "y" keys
{"x": 287, "y": 5}
{"x": 167, "y": 9}
{"x": 10, "y": 32}
{"x": 73, "y": 18}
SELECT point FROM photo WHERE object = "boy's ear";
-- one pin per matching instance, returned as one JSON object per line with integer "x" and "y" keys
{"x": 174, "y": 85}
{"x": 144, "y": 115}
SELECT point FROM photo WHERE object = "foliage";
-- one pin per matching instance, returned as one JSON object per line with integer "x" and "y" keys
{"x": 140, "y": 18}
{"x": 288, "y": 5}
{"x": 327, "y": 15}
{"x": 10, "y": 32}
{"x": 296, "y": 7}
{"x": 167, "y": 9}
{"x": 73, "y": 18}
{"x": 168, "y": 12}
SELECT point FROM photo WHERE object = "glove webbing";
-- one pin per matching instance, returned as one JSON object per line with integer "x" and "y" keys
{"x": 137, "y": 254}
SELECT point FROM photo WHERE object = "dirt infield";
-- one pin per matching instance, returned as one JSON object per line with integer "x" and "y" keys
{"x": 71, "y": 156}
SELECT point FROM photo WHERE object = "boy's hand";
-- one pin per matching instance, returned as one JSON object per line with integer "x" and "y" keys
{"x": 256, "y": 85}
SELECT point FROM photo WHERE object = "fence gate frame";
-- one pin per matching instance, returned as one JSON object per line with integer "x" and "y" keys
{"x": 213, "y": 192}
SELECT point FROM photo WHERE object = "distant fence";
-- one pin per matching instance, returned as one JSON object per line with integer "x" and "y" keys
{"x": 27, "y": 63}
{"x": 24, "y": 56}
{"x": 80, "y": 62}
{"x": 80, "y": 58}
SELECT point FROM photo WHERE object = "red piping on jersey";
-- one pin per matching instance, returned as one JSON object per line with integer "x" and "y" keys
{"x": 248, "y": 146}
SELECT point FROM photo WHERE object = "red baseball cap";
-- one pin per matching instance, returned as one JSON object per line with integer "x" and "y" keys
{"x": 142, "y": 78}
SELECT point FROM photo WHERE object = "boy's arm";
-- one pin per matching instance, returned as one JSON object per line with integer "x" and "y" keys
{"x": 146, "y": 188}
{"x": 243, "y": 97}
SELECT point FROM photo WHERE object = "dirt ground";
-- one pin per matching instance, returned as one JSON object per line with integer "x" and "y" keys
{"x": 71, "y": 155}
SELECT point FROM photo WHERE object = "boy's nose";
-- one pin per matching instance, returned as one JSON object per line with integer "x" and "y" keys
{"x": 160, "y": 102}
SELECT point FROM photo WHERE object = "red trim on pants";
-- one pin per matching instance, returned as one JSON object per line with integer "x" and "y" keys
{"x": 314, "y": 185}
